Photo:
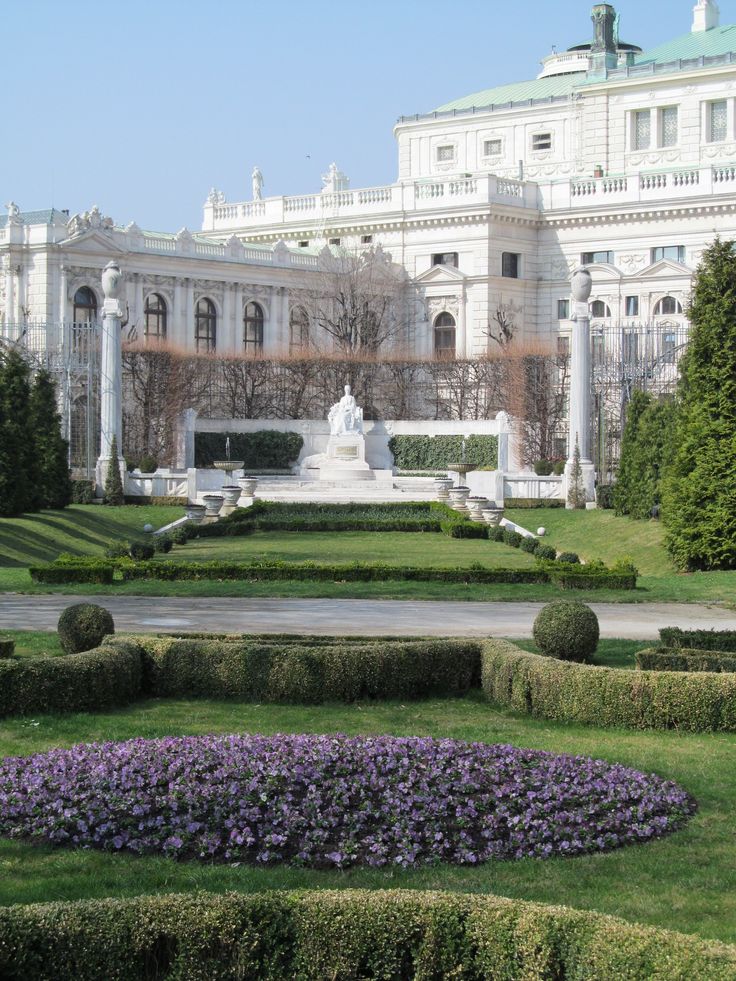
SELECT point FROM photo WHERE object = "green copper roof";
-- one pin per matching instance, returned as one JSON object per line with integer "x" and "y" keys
{"x": 537, "y": 88}
{"x": 47, "y": 217}
{"x": 717, "y": 41}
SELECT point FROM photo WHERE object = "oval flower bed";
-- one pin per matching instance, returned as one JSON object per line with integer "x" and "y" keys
{"x": 332, "y": 800}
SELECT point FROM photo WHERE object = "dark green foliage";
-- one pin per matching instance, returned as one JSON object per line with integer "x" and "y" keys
{"x": 83, "y": 492}
{"x": 118, "y": 550}
{"x": 646, "y": 449}
{"x": 19, "y": 464}
{"x": 684, "y": 659}
{"x": 436, "y": 452}
{"x": 607, "y": 697}
{"x": 566, "y": 629}
{"x": 303, "y": 673}
{"x": 341, "y": 934}
{"x": 495, "y": 533}
{"x": 7, "y": 647}
{"x": 265, "y": 449}
{"x": 543, "y": 468}
{"x": 699, "y": 489}
{"x": 141, "y": 551}
{"x": 707, "y": 640}
{"x": 530, "y": 545}
{"x": 575, "y": 488}
{"x": 87, "y": 682}
{"x": 84, "y": 626}
{"x": 51, "y": 450}
{"x": 605, "y": 496}
{"x": 93, "y": 572}
{"x": 148, "y": 464}
{"x": 570, "y": 558}
{"x": 545, "y": 552}
{"x": 512, "y": 538}
{"x": 533, "y": 503}
{"x": 464, "y": 529}
{"x": 114, "y": 495}
{"x": 162, "y": 543}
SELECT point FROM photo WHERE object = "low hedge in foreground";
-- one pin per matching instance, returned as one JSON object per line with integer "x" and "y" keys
{"x": 277, "y": 672}
{"x": 354, "y": 572}
{"x": 684, "y": 659}
{"x": 703, "y": 640}
{"x": 342, "y": 935}
{"x": 101, "y": 678}
{"x": 615, "y": 697}
{"x": 93, "y": 572}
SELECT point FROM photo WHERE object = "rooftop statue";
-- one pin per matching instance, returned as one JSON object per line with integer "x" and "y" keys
{"x": 257, "y": 180}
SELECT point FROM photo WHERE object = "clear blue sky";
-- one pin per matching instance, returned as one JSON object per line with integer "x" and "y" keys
{"x": 141, "y": 106}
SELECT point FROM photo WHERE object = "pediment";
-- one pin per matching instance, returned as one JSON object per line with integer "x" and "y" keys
{"x": 665, "y": 268}
{"x": 441, "y": 274}
{"x": 94, "y": 241}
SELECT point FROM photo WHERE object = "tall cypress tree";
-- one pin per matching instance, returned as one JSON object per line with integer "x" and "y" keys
{"x": 627, "y": 475}
{"x": 114, "y": 494}
{"x": 51, "y": 449}
{"x": 19, "y": 489}
{"x": 699, "y": 489}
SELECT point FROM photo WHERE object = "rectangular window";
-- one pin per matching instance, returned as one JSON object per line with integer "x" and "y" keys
{"x": 630, "y": 348}
{"x": 632, "y": 306}
{"x": 668, "y": 126}
{"x": 445, "y": 259}
{"x": 542, "y": 141}
{"x": 334, "y": 241}
{"x": 510, "y": 265}
{"x": 563, "y": 346}
{"x": 587, "y": 258}
{"x": 366, "y": 239}
{"x": 597, "y": 349}
{"x": 674, "y": 252}
{"x": 304, "y": 245}
{"x": 642, "y": 130}
{"x": 492, "y": 148}
{"x": 445, "y": 154}
{"x": 563, "y": 309}
{"x": 717, "y": 121}
{"x": 669, "y": 343}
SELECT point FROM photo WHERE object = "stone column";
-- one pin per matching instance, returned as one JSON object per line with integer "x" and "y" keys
{"x": 10, "y": 317}
{"x": 111, "y": 374}
{"x": 139, "y": 321}
{"x": 580, "y": 382}
{"x": 189, "y": 314}
{"x": 177, "y": 331}
{"x": 63, "y": 290}
{"x": 228, "y": 331}
{"x": 184, "y": 439}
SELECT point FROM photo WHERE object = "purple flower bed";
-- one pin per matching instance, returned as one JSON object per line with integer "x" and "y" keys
{"x": 328, "y": 801}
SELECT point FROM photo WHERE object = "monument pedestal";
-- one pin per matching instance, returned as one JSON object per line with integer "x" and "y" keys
{"x": 346, "y": 459}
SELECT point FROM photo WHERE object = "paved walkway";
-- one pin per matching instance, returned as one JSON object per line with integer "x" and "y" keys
{"x": 149, "y": 614}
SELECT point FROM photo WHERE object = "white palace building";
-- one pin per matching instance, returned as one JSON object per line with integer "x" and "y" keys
{"x": 616, "y": 158}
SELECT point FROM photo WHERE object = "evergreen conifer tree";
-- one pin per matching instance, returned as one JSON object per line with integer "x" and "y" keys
{"x": 646, "y": 450}
{"x": 575, "y": 489}
{"x": 51, "y": 450}
{"x": 114, "y": 494}
{"x": 623, "y": 488}
{"x": 699, "y": 489}
{"x": 19, "y": 489}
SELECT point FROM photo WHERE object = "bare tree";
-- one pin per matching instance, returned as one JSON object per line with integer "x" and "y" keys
{"x": 502, "y": 325}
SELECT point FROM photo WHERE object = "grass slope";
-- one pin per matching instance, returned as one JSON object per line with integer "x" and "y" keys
{"x": 685, "y": 882}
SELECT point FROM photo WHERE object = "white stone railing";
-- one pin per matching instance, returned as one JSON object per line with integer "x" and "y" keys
{"x": 153, "y": 244}
{"x": 639, "y": 187}
{"x": 532, "y": 487}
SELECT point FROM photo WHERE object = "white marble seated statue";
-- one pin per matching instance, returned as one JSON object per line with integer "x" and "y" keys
{"x": 345, "y": 416}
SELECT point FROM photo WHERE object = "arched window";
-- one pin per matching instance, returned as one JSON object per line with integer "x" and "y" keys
{"x": 667, "y": 305}
{"x": 205, "y": 325}
{"x": 298, "y": 329}
{"x": 253, "y": 328}
{"x": 154, "y": 318}
{"x": 444, "y": 336}
{"x": 85, "y": 306}
{"x": 599, "y": 309}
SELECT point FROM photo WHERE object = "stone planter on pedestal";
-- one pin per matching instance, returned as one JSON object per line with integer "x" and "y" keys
{"x": 196, "y": 512}
{"x": 231, "y": 493}
{"x": 443, "y": 485}
{"x": 476, "y": 506}
{"x": 213, "y": 504}
{"x": 492, "y": 516}
{"x": 248, "y": 486}
{"x": 458, "y": 497}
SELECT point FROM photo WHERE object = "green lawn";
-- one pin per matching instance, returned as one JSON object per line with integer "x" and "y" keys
{"x": 685, "y": 882}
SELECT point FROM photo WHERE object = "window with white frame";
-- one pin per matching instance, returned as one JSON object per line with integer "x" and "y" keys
{"x": 674, "y": 252}
{"x": 717, "y": 121}
{"x": 600, "y": 310}
{"x": 587, "y": 258}
{"x": 541, "y": 141}
{"x": 668, "y": 126}
{"x": 667, "y": 306}
{"x": 632, "y": 306}
{"x": 510, "y": 265}
{"x": 492, "y": 148}
{"x": 563, "y": 309}
{"x": 445, "y": 154}
{"x": 642, "y": 130}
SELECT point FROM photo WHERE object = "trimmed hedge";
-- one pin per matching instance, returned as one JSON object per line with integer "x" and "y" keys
{"x": 342, "y": 934}
{"x": 83, "y": 492}
{"x": 265, "y": 448}
{"x": 7, "y": 647}
{"x": 606, "y": 697}
{"x": 533, "y": 503}
{"x": 97, "y": 572}
{"x": 355, "y": 572}
{"x": 704, "y": 640}
{"x": 684, "y": 659}
{"x": 102, "y": 678}
{"x": 414, "y": 452}
{"x": 292, "y": 672}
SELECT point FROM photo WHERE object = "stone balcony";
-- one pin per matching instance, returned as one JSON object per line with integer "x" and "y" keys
{"x": 370, "y": 202}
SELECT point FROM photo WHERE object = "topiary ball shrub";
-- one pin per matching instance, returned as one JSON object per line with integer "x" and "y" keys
{"x": 571, "y": 558}
{"x": 512, "y": 538}
{"x": 495, "y": 533}
{"x": 162, "y": 543}
{"x": 7, "y": 647}
{"x": 140, "y": 551}
{"x": 529, "y": 545}
{"x": 117, "y": 550}
{"x": 83, "y": 626}
{"x": 548, "y": 552}
{"x": 567, "y": 630}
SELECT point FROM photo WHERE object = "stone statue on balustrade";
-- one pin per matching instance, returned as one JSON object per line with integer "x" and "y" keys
{"x": 257, "y": 180}
{"x": 345, "y": 416}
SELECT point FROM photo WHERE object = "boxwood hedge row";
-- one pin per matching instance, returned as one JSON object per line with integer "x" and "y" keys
{"x": 684, "y": 659}
{"x": 345, "y": 934}
{"x": 615, "y": 697}
{"x": 704, "y": 640}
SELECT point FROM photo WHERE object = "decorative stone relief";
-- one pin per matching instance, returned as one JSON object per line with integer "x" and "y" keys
{"x": 443, "y": 304}
{"x": 562, "y": 268}
{"x": 87, "y": 220}
{"x": 632, "y": 262}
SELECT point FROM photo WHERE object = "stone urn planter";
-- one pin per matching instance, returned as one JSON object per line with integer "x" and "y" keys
{"x": 443, "y": 485}
{"x": 248, "y": 486}
{"x": 458, "y": 497}
{"x": 492, "y": 516}
{"x": 195, "y": 512}
{"x": 475, "y": 506}
{"x": 231, "y": 493}
{"x": 213, "y": 503}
